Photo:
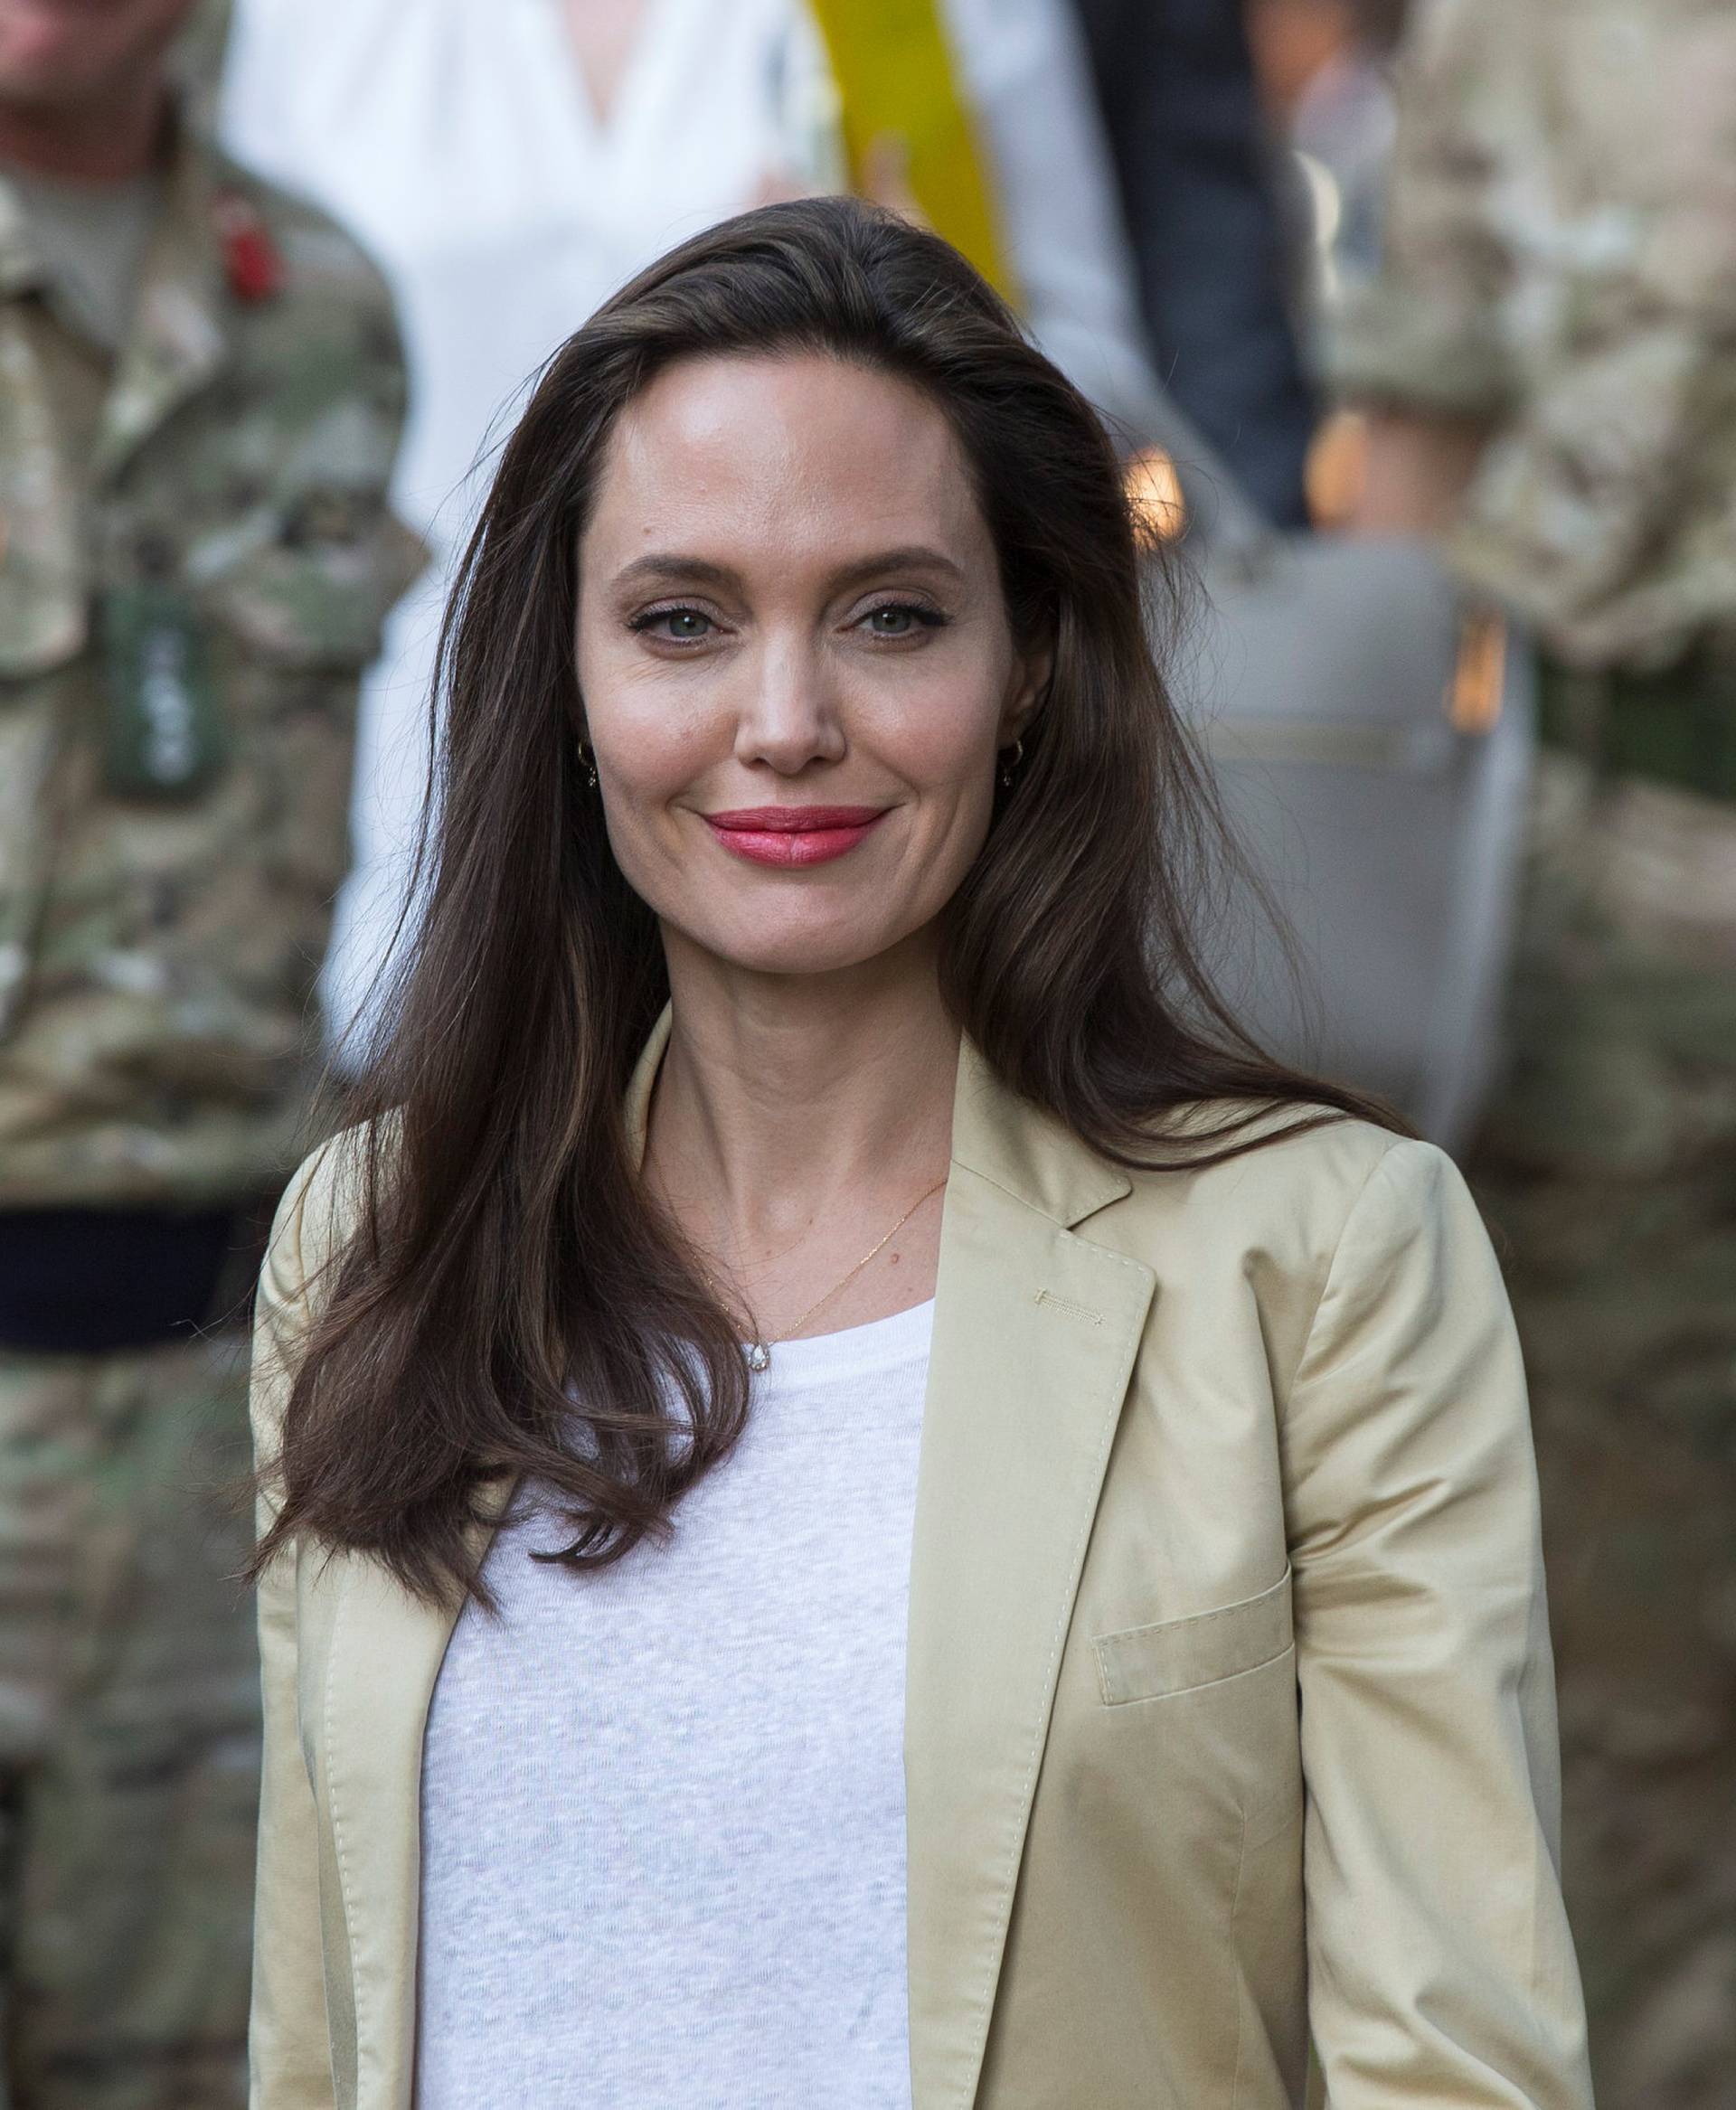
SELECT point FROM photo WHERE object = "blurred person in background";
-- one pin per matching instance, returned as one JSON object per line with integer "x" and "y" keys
{"x": 201, "y": 392}
{"x": 512, "y": 164}
{"x": 1547, "y": 364}
{"x": 1193, "y": 169}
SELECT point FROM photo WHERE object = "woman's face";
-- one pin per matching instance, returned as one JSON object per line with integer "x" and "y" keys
{"x": 794, "y": 659}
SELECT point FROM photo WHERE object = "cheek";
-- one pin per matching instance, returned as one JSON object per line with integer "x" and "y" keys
{"x": 936, "y": 711}
{"x": 651, "y": 735}
{"x": 945, "y": 733}
{"x": 644, "y": 770}
{"x": 941, "y": 736}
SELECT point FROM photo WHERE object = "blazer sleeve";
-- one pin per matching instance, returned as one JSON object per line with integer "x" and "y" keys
{"x": 1440, "y": 1967}
{"x": 289, "y": 2050}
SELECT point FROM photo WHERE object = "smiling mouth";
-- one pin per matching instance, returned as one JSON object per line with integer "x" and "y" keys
{"x": 791, "y": 835}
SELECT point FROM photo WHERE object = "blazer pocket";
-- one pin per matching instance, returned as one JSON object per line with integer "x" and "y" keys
{"x": 1178, "y": 1655}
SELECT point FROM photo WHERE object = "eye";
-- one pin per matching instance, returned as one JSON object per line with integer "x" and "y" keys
{"x": 900, "y": 619}
{"x": 680, "y": 625}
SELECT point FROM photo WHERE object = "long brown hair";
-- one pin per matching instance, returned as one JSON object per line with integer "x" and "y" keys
{"x": 512, "y": 1301}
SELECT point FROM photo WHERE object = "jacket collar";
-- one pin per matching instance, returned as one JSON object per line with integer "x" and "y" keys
{"x": 1024, "y": 1150}
{"x": 1036, "y": 1332}
{"x": 643, "y": 1082}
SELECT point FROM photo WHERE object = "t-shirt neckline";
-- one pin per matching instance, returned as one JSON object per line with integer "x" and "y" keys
{"x": 880, "y": 1344}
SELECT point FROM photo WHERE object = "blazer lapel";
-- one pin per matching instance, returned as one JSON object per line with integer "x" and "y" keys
{"x": 1036, "y": 1334}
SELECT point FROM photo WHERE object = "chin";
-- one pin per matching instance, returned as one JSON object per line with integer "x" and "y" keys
{"x": 801, "y": 951}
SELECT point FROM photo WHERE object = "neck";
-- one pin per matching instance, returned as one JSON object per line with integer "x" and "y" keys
{"x": 785, "y": 1096}
{"x": 110, "y": 140}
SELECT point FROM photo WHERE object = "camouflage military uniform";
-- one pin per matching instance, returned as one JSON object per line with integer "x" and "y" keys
{"x": 1563, "y": 266}
{"x": 197, "y": 560}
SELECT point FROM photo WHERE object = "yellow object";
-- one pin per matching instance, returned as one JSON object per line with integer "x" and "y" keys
{"x": 901, "y": 100}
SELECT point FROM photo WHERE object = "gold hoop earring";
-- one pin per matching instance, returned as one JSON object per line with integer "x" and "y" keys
{"x": 1008, "y": 767}
{"x": 589, "y": 762}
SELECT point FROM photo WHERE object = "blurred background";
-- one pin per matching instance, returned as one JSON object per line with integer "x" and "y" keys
{"x": 1417, "y": 326}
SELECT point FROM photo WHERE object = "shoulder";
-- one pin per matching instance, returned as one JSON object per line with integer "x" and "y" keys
{"x": 320, "y": 1209}
{"x": 1339, "y": 1253}
{"x": 1300, "y": 1157}
{"x": 1305, "y": 1211}
{"x": 308, "y": 258}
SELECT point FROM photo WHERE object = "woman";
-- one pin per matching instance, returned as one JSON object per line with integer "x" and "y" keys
{"x": 805, "y": 1067}
{"x": 510, "y": 164}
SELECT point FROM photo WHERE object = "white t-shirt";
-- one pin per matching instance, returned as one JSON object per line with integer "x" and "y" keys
{"x": 455, "y": 138}
{"x": 663, "y": 1804}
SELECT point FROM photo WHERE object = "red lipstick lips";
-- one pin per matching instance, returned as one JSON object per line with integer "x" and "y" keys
{"x": 792, "y": 835}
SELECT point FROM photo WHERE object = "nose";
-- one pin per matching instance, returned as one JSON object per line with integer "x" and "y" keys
{"x": 790, "y": 717}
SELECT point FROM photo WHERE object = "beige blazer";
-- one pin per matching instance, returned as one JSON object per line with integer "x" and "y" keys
{"x": 1229, "y": 1717}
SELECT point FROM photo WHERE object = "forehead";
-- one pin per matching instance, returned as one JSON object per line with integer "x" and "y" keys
{"x": 774, "y": 456}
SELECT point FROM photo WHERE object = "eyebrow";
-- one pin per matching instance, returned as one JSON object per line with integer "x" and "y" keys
{"x": 678, "y": 570}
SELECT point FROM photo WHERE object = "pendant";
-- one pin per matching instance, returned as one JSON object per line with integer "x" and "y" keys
{"x": 758, "y": 1355}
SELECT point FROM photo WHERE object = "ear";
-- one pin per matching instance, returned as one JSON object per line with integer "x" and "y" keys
{"x": 1026, "y": 692}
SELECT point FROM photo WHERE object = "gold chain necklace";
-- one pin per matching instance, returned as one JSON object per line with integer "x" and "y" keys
{"x": 758, "y": 1351}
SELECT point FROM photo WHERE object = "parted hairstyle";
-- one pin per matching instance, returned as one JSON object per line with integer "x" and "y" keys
{"x": 512, "y": 1301}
